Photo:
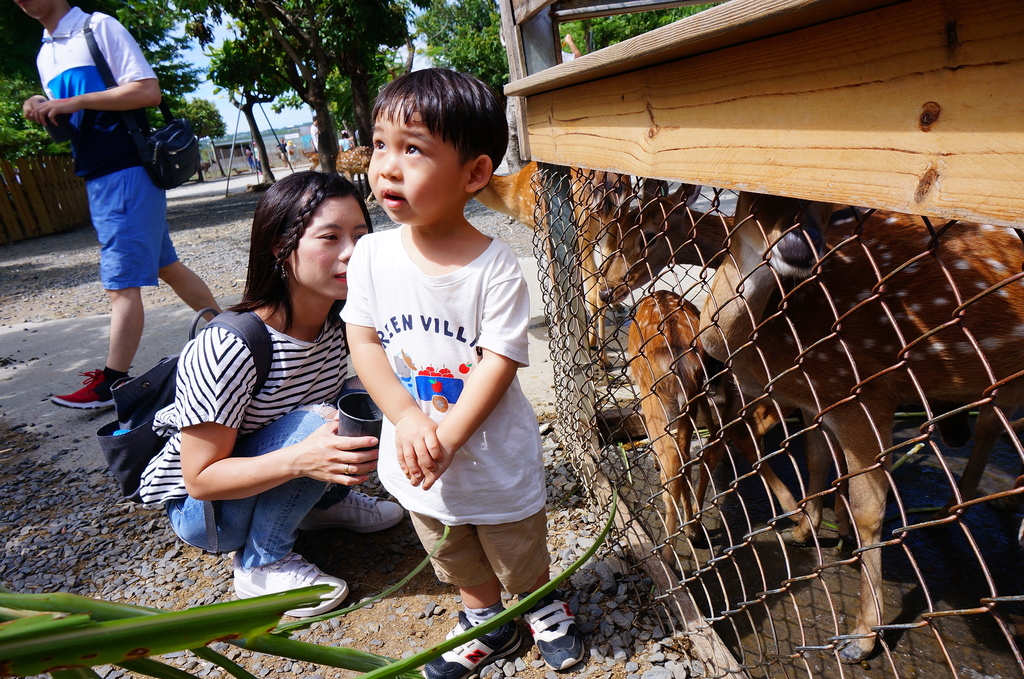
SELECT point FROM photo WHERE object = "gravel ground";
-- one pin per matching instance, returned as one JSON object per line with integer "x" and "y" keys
{"x": 81, "y": 540}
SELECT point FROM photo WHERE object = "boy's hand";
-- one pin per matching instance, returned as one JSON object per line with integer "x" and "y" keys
{"x": 419, "y": 451}
{"x": 431, "y": 476}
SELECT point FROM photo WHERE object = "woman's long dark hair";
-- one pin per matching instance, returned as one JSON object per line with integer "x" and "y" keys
{"x": 281, "y": 217}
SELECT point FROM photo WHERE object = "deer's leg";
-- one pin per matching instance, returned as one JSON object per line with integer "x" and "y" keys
{"x": 818, "y": 454}
{"x": 710, "y": 457}
{"x": 868, "y": 489}
{"x": 673, "y": 453}
{"x": 987, "y": 431}
{"x": 868, "y": 492}
{"x": 675, "y": 475}
{"x": 597, "y": 333}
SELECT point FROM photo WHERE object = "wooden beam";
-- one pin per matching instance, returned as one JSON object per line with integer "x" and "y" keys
{"x": 524, "y": 10}
{"x": 517, "y": 69}
{"x": 723, "y": 26}
{"x": 587, "y": 9}
{"x": 915, "y": 107}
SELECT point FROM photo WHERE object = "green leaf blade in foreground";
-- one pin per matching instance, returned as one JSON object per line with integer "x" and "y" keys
{"x": 29, "y": 626}
{"x": 116, "y": 641}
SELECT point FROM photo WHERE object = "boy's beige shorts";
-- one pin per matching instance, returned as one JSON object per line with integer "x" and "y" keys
{"x": 516, "y": 552}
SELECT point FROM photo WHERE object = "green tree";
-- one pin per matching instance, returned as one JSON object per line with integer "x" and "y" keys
{"x": 246, "y": 69}
{"x": 594, "y": 34}
{"x": 205, "y": 118}
{"x": 465, "y": 35}
{"x": 20, "y": 138}
{"x": 317, "y": 38}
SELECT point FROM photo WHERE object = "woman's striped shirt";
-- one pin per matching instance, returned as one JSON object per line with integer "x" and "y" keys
{"x": 215, "y": 376}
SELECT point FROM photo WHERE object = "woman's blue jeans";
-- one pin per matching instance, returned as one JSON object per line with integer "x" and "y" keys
{"x": 262, "y": 527}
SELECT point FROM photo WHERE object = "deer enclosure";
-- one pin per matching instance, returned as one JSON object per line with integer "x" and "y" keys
{"x": 783, "y": 267}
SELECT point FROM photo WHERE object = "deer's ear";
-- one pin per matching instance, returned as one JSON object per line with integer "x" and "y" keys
{"x": 480, "y": 169}
{"x": 653, "y": 188}
{"x": 686, "y": 194}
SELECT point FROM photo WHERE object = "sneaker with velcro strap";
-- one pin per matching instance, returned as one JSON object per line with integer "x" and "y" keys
{"x": 555, "y": 633}
{"x": 468, "y": 659}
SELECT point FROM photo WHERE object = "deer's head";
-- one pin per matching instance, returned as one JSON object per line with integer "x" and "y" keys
{"x": 639, "y": 241}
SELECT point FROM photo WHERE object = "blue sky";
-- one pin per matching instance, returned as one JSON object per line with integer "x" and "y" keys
{"x": 286, "y": 118}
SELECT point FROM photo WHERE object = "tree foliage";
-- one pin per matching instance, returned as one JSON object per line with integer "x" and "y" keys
{"x": 316, "y": 39}
{"x": 593, "y": 34}
{"x": 20, "y": 138}
{"x": 205, "y": 118}
{"x": 465, "y": 35}
{"x": 249, "y": 71}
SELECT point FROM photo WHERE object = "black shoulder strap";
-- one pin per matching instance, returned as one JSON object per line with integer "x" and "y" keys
{"x": 250, "y": 329}
{"x": 97, "y": 55}
{"x": 108, "y": 79}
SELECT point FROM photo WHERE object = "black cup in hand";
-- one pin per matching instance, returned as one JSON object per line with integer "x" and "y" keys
{"x": 358, "y": 415}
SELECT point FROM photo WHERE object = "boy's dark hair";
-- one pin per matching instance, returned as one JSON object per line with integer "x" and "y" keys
{"x": 456, "y": 107}
{"x": 281, "y": 217}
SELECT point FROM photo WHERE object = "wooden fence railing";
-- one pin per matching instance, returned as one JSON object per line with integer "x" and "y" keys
{"x": 40, "y": 196}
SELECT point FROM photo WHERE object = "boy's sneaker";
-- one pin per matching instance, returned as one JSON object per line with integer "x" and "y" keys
{"x": 358, "y": 513}
{"x": 95, "y": 393}
{"x": 291, "y": 572}
{"x": 467, "y": 659}
{"x": 555, "y": 633}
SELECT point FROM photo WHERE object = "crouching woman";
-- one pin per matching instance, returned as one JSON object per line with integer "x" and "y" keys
{"x": 272, "y": 462}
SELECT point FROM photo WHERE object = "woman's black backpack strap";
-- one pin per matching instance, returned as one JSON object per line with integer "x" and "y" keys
{"x": 253, "y": 331}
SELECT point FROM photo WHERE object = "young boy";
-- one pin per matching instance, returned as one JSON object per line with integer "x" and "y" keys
{"x": 436, "y": 319}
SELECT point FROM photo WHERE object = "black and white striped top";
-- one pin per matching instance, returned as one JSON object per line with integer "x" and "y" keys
{"x": 215, "y": 376}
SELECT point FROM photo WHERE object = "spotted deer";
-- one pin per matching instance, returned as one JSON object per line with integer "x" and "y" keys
{"x": 664, "y": 230}
{"x": 596, "y": 199}
{"x": 354, "y": 164}
{"x": 892, "y": 308}
{"x": 670, "y": 370}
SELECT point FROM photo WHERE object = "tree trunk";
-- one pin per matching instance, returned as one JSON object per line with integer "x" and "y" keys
{"x": 257, "y": 138}
{"x": 216, "y": 159}
{"x": 328, "y": 143}
{"x": 361, "y": 107}
{"x": 514, "y": 156}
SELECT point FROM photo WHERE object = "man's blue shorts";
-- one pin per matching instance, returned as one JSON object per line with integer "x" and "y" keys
{"x": 130, "y": 216}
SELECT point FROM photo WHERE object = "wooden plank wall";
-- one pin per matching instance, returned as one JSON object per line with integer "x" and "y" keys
{"x": 40, "y": 196}
{"x": 916, "y": 107}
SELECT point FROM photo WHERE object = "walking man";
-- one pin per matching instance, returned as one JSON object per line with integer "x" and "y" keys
{"x": 129, "y": 212}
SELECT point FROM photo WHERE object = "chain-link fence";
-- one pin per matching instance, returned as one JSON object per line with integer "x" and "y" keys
{"x": 811, "y": 429}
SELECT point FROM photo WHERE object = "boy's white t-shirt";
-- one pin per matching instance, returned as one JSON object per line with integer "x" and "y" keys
{"x": 431, "y": 328}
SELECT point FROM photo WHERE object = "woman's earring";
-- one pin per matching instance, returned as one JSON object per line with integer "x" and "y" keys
{"x": 281, "y": 271}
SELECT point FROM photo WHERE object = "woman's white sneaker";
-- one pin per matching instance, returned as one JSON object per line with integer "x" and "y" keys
{"x": 358, "y": 512}
{"x": 291, "y": 572}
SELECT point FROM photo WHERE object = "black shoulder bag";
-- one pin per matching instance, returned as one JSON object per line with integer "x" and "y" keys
{"x": 169, "y": 154}
{"x": 129, "y": 442}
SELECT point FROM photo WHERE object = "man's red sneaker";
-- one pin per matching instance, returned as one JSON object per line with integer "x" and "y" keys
{"x": 95, "y": 393}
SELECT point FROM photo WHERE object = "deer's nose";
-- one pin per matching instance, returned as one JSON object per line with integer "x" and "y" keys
{"x": 800, "y": 248}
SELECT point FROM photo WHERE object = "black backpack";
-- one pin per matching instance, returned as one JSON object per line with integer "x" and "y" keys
{"x": 129, "y": 442}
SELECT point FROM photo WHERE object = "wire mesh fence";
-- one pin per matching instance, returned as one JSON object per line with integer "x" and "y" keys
{"x": 808, "y": 414}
